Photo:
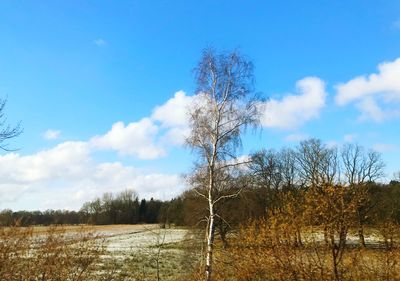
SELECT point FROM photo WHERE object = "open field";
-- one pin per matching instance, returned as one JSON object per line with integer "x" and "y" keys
{"x": 148, "y": 252}
{"x": 123, "y": 239}
{"x": 138, "y": 252}
{"x": 110, "y": 252}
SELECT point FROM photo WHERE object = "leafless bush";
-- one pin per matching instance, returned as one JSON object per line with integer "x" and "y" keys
{"x": 270, "y": 249}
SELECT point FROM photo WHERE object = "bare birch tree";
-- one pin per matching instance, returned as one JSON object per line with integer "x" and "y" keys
{"x": 223, "y": 110}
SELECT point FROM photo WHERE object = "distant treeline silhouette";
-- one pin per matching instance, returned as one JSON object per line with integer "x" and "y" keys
{"x": 123, "y": 208}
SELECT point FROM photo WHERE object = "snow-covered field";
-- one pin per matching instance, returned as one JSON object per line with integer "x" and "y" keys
{"x": 143, "y": 238}
{"x": 124, "y": 252}
{"x": 146, "y": 249}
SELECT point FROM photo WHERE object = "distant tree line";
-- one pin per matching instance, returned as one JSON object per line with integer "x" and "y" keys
{"x": 122, "y": 208}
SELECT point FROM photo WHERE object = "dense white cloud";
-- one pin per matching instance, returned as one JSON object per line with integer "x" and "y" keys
{"x": 150, "y": 137}
{"x": 136, "y": 138}
{"x": 63, "y": 162}
{"x": 51, "y": 134}
{"x": 174, "y": 112}
{"x": 293, "y": 110}
{"x": 377, "y": 95}
{"x": 66, "y": 176}
{"x": 173, "y": 118}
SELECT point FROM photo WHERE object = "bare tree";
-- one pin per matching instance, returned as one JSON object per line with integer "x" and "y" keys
{"x": 317, "y": 163}
{"x": 223, "y": 110}
{"x": 361, "y": 167}
{"x": 7, "y": 131}
{"x": 266, "y": 168}
{"x": 288, "y": 168}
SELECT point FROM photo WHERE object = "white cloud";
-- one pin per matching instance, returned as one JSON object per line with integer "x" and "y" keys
{"x": 51, "y": 134}
{"x": 100, "y": 42}
{"x": 66, "y": 176}
{"x": 63, "y": 161}
{"x": 175, "y": 136}
{"x": 293, "y": 110}
{"x": 370, "y": 110}
{"x": 136, "y": 138}
{"x": 173, "y": 113}
{"x": 377, "y": 95}
{"x": 149, "y": 137}
{"x": 173, "y": 117}
{"x": 296, "y": 137}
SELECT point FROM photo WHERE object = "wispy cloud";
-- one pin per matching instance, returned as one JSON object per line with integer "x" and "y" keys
{"x": 100, "y": 42}
{"x": 51, "y": 134}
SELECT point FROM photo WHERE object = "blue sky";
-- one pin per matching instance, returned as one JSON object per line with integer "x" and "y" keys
{"x": 98, "y": 86}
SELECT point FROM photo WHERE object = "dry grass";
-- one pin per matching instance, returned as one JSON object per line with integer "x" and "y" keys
{"x": 51, "y": 255}
{"x": 113, "y": 229}
{"x": 114, "y": 252}
{"x": 261, "y": 252}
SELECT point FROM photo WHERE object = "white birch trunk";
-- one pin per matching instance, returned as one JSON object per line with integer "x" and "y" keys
{"x": 210, "y": 244}
{"x": 211, "y": 224}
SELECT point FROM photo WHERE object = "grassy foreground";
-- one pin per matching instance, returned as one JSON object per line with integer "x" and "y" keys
{"x": 114, "y": 252}
{"x": 148, "y": 252}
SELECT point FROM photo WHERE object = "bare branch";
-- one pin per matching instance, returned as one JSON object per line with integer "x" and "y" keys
{"x": 227, "y": 196}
